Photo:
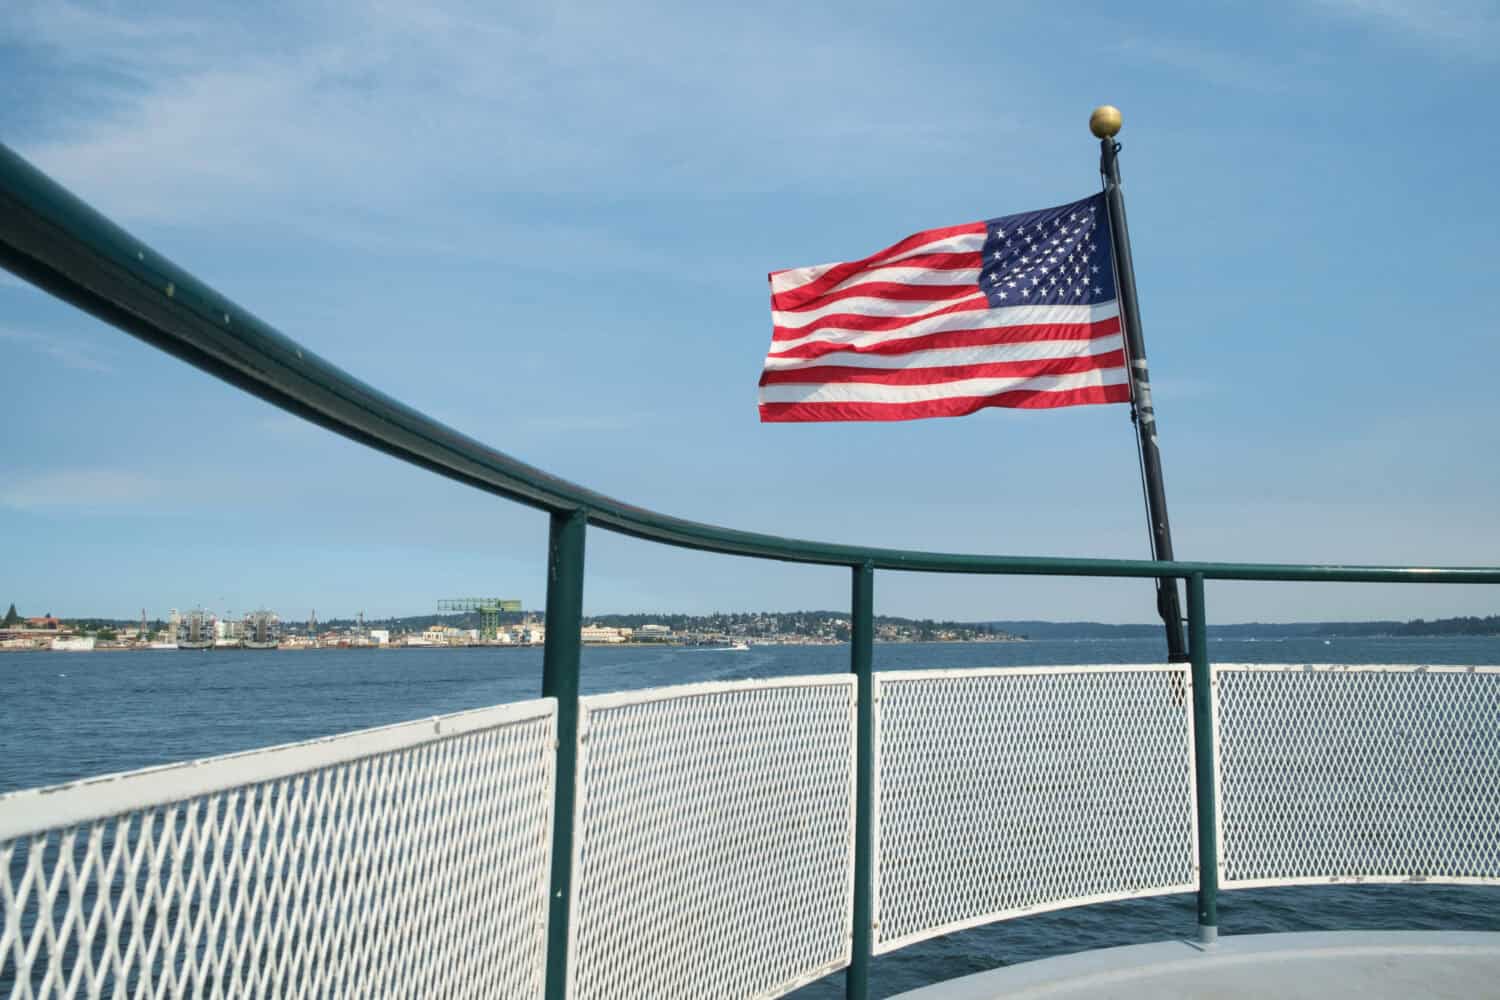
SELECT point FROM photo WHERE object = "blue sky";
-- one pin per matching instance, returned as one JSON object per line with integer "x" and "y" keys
{"x": 550, "y": 226}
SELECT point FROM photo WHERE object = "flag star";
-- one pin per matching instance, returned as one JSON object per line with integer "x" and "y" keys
{"x": 1025, "y": 260}
{"x": 1025, "y": 291}
{"x": 1043, "y": 270}
{"x": 1002, "y": 294}
{"x": 1036, "y": 281}
{"x": 1000, "y": 232}
{"x": 1091, "y": 248}
{"x": 1010, "y": 284}
{"x": 1095, "y": 269}
{"x": 999, "y": 255}
{"x": 1098, "y": 290}
{"x": 1073, "y": 217}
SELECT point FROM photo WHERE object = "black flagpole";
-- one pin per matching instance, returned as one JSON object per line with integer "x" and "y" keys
{"x": 1105, "y": 124}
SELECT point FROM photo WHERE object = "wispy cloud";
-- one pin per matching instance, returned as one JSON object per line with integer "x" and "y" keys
{"x": 1461, "y": 27}
{"x": 1210, "y": 64}
{"x": 430, "y": 111}
{"x": 64, "y": 352}
{"x": 79, "y": 488}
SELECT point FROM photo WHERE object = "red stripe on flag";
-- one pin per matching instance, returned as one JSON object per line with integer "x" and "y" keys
{"x": 855, "y": 321}
{"x": 830, "y": 278}
{"x": 795, "y": 297}
{"x": 959, "y": 406}
{"x": 893, "y": 290}
{"x": 984, "y": 337}
{"x": 823, "y": 374}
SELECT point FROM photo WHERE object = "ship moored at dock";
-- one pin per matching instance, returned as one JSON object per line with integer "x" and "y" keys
{"x": 195, "y": 629}
{"x": 261, "y": 630}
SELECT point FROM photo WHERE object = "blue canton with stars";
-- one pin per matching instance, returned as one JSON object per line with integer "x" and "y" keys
{"x": 1058, "y": 256}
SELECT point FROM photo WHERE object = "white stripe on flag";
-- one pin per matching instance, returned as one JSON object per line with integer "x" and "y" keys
{"x": 796, "y": 277}
{"x": 860, "y": 305}
{"x": 1035, "y": 350}
{"x": 988, "y": 319}
{"x": 911, "y": 276}
{"x": 866, "y": 392}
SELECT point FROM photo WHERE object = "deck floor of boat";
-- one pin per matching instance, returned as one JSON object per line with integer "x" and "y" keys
{"x": 1371, "y": 965}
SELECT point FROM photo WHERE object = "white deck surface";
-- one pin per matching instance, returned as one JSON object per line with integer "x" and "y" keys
{"x": 1369, "y": 965}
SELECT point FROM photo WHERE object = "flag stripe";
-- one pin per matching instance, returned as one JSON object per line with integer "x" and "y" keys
{"x": 1012, "y": 316}
{"x": 864, "y": 392}
{"x": 921, "y": 269}
{"x": 941, "y": 374}
{"x": 815, "y": 280}
{"x": 940, "y": 357}
{"x": 953, "y": 407}
{"x": 894, "y": 343}
{"x": 966, "y": 284}
{"x": 870, "y": 314}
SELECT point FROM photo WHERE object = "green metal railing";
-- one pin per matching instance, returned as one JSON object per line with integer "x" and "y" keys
{"x": 57, "y": 242}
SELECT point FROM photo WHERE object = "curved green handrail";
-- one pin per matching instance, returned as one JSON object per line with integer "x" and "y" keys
{"x": 56, "y": 241}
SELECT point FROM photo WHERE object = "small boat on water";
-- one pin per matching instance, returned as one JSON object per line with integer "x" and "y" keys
{"x": 195, "y": 630}
{"x": 261, "y": 630}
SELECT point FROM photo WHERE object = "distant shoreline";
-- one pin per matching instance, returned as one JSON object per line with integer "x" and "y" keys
{"x": 507, "y": 645}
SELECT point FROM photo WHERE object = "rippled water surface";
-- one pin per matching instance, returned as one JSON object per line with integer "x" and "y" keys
{"x": 70, "y": 715}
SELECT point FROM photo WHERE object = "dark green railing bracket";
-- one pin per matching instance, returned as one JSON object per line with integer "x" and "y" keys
{"x": 861, "y": 663}
{"x": 560, "y": 659}
{"x": 1203, "y": 764}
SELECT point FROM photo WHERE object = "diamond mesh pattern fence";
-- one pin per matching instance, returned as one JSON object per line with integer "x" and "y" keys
{"x": 1368, "y": 773}
{"x": 405, "y": 861}
{"x": 1012, "y": 791}
{"x": 714, "y": 839}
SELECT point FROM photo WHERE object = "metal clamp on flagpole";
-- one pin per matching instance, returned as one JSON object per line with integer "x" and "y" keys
{"x": 1105, "y": 124}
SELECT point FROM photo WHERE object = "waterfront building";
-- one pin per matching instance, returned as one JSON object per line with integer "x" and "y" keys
{"x": 600, "y": 634}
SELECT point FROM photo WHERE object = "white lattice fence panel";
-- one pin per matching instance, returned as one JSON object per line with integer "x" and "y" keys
{"x": 398, "y": 862}
{"x": 714, "y": 841}
{"x": 1011, "y": 791}
{"x": 1368, "y": 773}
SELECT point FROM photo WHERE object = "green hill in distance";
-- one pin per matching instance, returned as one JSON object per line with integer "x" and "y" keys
{"x": 1489, "y": 625}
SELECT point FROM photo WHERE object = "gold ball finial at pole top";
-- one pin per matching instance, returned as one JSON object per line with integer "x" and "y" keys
{"x": 1105, "y": 121}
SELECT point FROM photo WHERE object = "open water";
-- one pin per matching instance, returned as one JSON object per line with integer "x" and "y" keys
{"x": 66, "y": 716}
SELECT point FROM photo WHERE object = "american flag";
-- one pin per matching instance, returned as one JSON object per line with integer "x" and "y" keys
{"x": 1017, "y": 311}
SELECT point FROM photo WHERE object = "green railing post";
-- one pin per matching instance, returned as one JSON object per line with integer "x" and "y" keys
{"x": 861, "y": 660}
{"x": 560, "y": 658}
{"x": 1203, "y": 764}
